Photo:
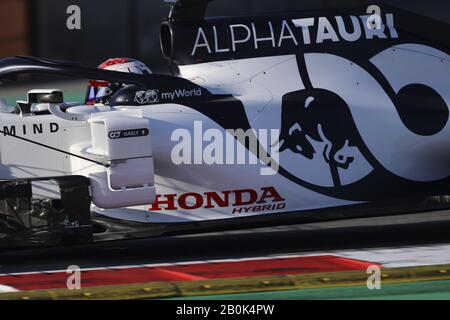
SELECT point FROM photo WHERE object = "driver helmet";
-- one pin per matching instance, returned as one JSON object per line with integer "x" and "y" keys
{"x": 99, "y": 91}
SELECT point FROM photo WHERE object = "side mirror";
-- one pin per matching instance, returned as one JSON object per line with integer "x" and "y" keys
{"x": 37, "y": 96}
{"x": 54, "y": 97}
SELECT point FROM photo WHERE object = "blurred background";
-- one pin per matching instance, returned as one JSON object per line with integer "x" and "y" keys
{"x": 124, "y": 28}
{"x": 130, "y": 28}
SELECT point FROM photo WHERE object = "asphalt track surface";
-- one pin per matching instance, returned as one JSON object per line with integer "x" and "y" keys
{"x": 422, "y": 229}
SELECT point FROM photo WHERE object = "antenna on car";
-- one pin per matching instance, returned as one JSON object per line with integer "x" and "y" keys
{"x": 189, "y": 10}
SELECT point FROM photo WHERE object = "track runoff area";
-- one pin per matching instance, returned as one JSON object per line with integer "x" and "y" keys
{"x": 410, "y": 259}
{"x": 384, "y": 267}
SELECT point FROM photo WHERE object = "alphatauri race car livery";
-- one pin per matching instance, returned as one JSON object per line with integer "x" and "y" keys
{"x": 274, "y": 119}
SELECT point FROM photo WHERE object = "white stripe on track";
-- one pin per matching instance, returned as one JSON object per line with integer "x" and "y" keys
{"x": 408, "y": 256}
{"x": 403, "y": 257}
{"x": 5, "y": 289}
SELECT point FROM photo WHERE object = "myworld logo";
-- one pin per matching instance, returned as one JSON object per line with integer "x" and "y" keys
{"x": 154, "y": 96}
{"x": 232, "y": 146}
{"x": 181, "y": 93}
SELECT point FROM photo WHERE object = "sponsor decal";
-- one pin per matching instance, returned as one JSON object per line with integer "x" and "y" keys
{"x": 302, "y": 31}
{"x": 309, "y": 130}
{"x": 27, "y": 129}
{"x": 146, "y": 97}
{"x": 154, "y": 96}
{"x": 239, "y": 201}
{"x": 181, "y": 93}
{"x": 344, "y": 143}
{"x": 129, "y": 133}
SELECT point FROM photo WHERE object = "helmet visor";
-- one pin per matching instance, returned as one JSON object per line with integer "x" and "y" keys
{"x": 97, "y": 90}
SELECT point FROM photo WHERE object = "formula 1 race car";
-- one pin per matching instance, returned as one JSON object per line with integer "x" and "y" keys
{"x": 293, "y": 117}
